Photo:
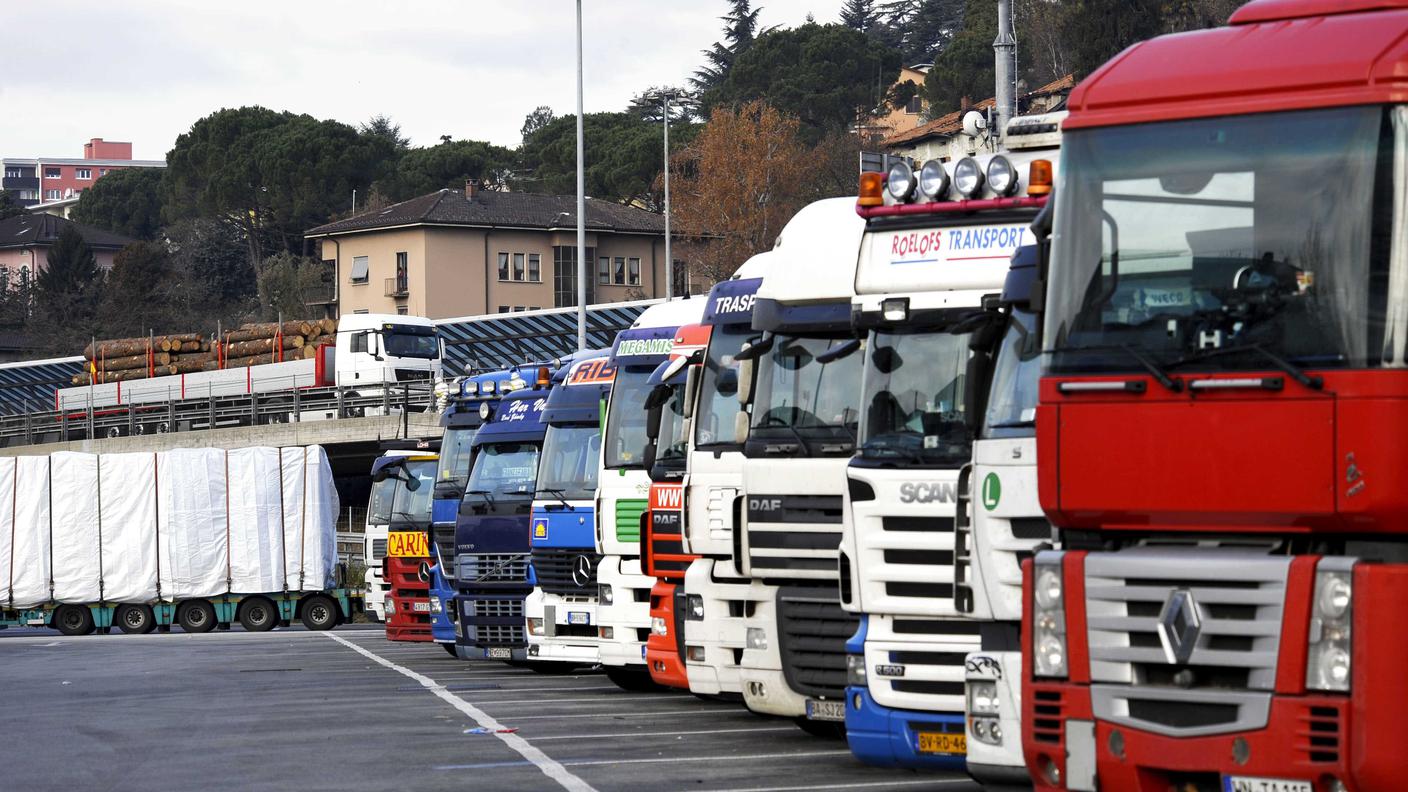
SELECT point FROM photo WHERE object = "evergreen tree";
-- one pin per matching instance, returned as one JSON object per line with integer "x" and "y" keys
{"x": 138, "y": 295}
{"x": 10, "y": 205}
{"x": 965, "y": 68}
{"x": 740, "y": 29}
{"x": 860, "y": 15}
{"x": 66, "y": 294}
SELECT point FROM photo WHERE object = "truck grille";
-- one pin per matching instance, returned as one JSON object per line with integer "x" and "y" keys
{"x": 666, "y": 558}
{"x": 1225, "y": 684}
{"x": 444, "y": 536}
{"x": 798, "y": 536}
{"x": 812, "y": 633}
{"x": 412, "y": 375}
{"x": 378, "y": 549}
{"x": 492, "y": 568}
{"x": 558, "y": 570}
{"x": 494, "y": 622}
{"x": 628, "y": 512}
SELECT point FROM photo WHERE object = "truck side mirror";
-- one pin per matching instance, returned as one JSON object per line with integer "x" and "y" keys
{"x": 691, "y": 390}
{"x": 745, "y": 382}
{"x": 975, "y": 390}
{"x": 647, "y": 458}
{"x": 741, "y": 422}
{"x": 653, "y": 412}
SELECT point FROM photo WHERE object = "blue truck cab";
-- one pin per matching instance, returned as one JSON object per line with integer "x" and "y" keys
{"x": 561, "y": 612}
{"x": 461, "y": 420}
{"x": 492, "y": 573}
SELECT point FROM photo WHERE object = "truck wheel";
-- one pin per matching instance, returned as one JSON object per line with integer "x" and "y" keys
{"x": 827, "y": 730}
{"x": 73, "y": 620}
{"x": 258, "y": 614}
{"x": 450, "y": 648}
{"x": 319, "y": 613}
{"x": 631, "y": 679}
{"x": 196, "y": 616}
{"x": 135, "y": 619}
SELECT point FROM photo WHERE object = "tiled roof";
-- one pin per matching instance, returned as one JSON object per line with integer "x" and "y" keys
{"x": 44, "y": 229}
{"x": 504, "y": 209}
{"x": 949, "y": 125}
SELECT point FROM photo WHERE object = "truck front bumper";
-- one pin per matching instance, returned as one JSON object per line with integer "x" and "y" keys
{"x": 890, "y": 738}
{"x": 720, "y": 636}
{"x": 566, "y": 624}
{"x": 624, "y": 624}
{"x": 663, "y": 654}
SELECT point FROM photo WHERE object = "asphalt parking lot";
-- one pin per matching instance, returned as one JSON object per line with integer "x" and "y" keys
{"x": 348, "y": 710}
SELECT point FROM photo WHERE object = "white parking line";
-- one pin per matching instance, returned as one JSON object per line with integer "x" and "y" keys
{"x": 662, "y": 759}
{"x": 656, "y": 733}
{"x": 849, "y": 785}
{"x": 635, "y": 714}
{"x": 550, "y": 767}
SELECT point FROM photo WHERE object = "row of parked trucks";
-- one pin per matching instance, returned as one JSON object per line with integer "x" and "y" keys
{"x": 1066, "y": 462}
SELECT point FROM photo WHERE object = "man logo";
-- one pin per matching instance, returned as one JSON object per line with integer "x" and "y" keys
{"x": 582, "y": 571}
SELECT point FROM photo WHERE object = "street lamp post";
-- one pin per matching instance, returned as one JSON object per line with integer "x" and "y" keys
{"x": 665, "y": 98}
{"x": 581, "y": 203}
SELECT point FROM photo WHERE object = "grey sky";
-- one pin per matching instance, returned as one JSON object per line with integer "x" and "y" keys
{"x": 144, "y": 70}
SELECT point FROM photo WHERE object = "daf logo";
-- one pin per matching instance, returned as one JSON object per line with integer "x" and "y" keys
{"x": 928, "y": 492}
{"x": 1180, "y": 623}
{"x": 581, "y": 570}
{"x": 764, "y": 504}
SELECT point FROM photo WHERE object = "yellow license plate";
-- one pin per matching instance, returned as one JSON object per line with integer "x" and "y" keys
{"x": 940, "y": 743}
{"x": 407, "y": 544}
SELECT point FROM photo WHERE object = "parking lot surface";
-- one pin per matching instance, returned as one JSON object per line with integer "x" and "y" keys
{"x": 345, "y": 710}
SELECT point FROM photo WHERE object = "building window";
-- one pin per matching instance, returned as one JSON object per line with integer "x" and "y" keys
{"x": 361, "y": 269}
{"x": 618, "y": 270}
{"x": 680, "y": 274}
{"x": 633, "y": 271}
{"x": 52, "y": 195}
{"x": 360, "y": 310}
{"x": 24, "y": 277}
{"x": 51, "y": 173}
{"x": 518, "y": 266}
{"x": 83, "y": 173}
{"x": 503, "y": 309}
{"x": 402, "y": 310}
{"x": 912, "y": 107}
{"x": 12, "y": 173}
{"x": 535, "y": 268}
{"x": 403, "y": 274}
{"x": 564, "y": 276}
{"x": 518, "y": 309}
{"x": 603, "y": 269}
{"x": 503, "y": 266}
{"x": 535, "y": 307}
{"x": 102, "y": 171}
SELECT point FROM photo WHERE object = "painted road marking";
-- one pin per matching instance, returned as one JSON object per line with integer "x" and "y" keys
{"x": 655, "y": 733}
{"x": 550, "y": 768}
{"x": 656, "y": 760}
{"x": 849, "y": 785}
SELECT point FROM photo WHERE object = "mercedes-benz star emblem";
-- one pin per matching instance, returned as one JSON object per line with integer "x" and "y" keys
{"x": 1180, "y": 623}
{"x": 581, "y": 571}
{"x": 423, "y": 572}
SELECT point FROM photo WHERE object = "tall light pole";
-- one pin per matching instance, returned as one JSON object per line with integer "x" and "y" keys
{"x": 665, "y": 97}
{"x": 581, "y": 202}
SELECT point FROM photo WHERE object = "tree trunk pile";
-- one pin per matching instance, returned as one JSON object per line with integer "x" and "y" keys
{"x": 251, "y": 344}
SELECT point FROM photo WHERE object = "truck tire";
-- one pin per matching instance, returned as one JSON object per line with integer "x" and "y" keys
{"x": 258, "y": 614}
{"x": 73, "y": 620}
{"x": 196, "y": 616}
{"x": 636, "y": 681}
{"x": 319, "y": 613}
{"x": 135, "y": 619}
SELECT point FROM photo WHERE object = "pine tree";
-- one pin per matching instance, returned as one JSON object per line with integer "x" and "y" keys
{"x": 740, "y": 29}
{"x": 66, "y": 294}
{"x": 860, "y": 15}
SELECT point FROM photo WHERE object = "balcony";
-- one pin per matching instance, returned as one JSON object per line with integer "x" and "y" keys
{"x": 398, "y": 287}
{"x": 20, "y": 183}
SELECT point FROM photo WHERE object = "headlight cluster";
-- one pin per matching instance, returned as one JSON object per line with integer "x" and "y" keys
{"x": 983, "y": 712}
{"x": 694, "y": 607}
{"x": 855, "y": 670}
{"x": 658, "y": 626}
{"x": 604, "y": 594}
{"x": 967, "y": 177}
{"x": 388, "y": 606}
{"x": 1048, "y": 617}
{"x": 436, "y": 606}
{"x": 756, "y": 638}
{"x": 1328, "y": 661}
{"x": 535, "y": 626}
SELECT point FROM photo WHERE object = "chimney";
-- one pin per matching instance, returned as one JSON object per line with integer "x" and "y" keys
{"x": 470, "y": 187}
{"x": 964, "y": 104}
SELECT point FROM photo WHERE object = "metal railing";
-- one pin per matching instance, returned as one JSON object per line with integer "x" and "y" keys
{"x": 397, "y": 287}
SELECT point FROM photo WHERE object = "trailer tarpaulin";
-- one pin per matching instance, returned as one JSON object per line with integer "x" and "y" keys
{"x": 28, "y": 509}
{"x": 256, "y": 520}
{"x": 77, "y": 544}
{"x": 310, "y": 519}
{"x": 128, "y": 483}
{"x": 192, "y": 523}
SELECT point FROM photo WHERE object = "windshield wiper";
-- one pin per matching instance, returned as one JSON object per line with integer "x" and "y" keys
{"x": 1290, "y": 369}
{"x": 556, "y": 493}
{"x": 487, "y": 495}
{"x": 906, "y": 453}
{"x": 789, "y": 427}
{"x": 1152, "y": 367}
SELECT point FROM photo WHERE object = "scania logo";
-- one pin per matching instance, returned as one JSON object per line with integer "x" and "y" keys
{"x": 928, "y": 492}
{"x": 1180, "y": 623}
{"x": 581, "y": 570}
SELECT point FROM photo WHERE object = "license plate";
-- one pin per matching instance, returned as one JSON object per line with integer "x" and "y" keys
{"x": 826, "y": 710}
{"x": 941, "y": 743}
{"x": 1254, "y": 784}
{"x": 420, "y": 607}
{"x": 579, "y": 617}
{"x": 498, "y": 653}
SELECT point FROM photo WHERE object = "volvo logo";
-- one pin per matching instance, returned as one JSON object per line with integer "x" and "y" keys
{"x": 581, "y": 570}
{"x": 1180, "y": 623}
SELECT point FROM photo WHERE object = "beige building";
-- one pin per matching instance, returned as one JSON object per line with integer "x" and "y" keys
{"x": 901, "y": 119}
{"x": 933, "y": 140}
{"x": 459, "y": 253}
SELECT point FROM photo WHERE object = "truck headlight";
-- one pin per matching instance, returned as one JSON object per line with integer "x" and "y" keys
{"x": 658, "y": 626}
{"x": 436, "y": 606}
{"x": 756, "y": 638}
{"x": 1328, "y": 659}
{"x": 982, "y": 698}
{"x": 694, "y": 607}
{"x": 1048, "y": 618}
{"x": 604, "y": 595}
{"x": 855, "y": 671}
{"x": 606, "y": 633}
{"x": 388, "y": 605}
{"x": 535, "y": 626}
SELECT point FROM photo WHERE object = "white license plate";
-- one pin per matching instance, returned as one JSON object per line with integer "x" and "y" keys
{"x": 826, "y": 710}
{"x": 498, "y": 653}
{"x": 579, "y": 617}
{"x": 420, "y": 607}
{"x": 1254, "y": 784}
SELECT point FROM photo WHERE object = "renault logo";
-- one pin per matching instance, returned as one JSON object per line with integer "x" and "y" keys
{"x": 1180, "y": 623}
{"x": 581, "y": 571}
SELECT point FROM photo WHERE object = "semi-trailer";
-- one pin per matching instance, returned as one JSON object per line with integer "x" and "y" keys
{"x": 799, "y": 386}
{"x": 1220, "y": 428}
{"x": 561, "y": 611}
{"x": 937, "y": 249}
{"x": 199, "y": 538}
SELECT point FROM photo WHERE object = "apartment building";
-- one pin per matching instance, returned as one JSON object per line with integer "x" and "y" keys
{"x": 36, "y": 180}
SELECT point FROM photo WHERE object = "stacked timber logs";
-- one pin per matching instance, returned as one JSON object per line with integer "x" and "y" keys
{"x": 252, "y": 344}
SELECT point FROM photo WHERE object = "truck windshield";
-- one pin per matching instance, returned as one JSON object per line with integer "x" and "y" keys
{"x": 379, "y": 507}
{"x": 503, "y": 470}
{"x": 1012, "y": 395}
{"x": 804, "y": 401}
{"x": 718, "y": 394}
{"x": 414, "y": 507}
{"x": 454, "y": 454}
{"x": 673, "y": 442}
{"x": 625, "y": 420}
{"x": 571, "y": 453}
{"x": 914, "y": 408}
{"x": 1211, "y": 243}
{"x": 413, "y": 342}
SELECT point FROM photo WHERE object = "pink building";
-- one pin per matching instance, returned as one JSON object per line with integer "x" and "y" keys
{"x": 44, "y": 179}
{"x": 25, "y": 241}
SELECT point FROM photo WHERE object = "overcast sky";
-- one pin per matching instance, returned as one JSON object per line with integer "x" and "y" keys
{"x": 144, "y": 70}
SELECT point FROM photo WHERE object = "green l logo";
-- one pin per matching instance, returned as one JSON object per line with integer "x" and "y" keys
{"x": 992, "y": 491}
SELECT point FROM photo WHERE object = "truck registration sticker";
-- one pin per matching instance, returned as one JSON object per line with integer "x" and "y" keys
{"x": 1254, "y": 784}
{"x": 407, "y": 544}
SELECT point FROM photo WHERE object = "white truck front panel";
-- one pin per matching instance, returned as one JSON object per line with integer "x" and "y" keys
{"x": 764, "y": 686}
{"x": 917, "y": 664}
{"x": 559, "y": 613}
{"x": 627, "y": 617}
{"x": 793, "y": 517}
{"x": 1007, "y": 524}
{"x": 722, "y": 633}
{"x": 899, "y": 545}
